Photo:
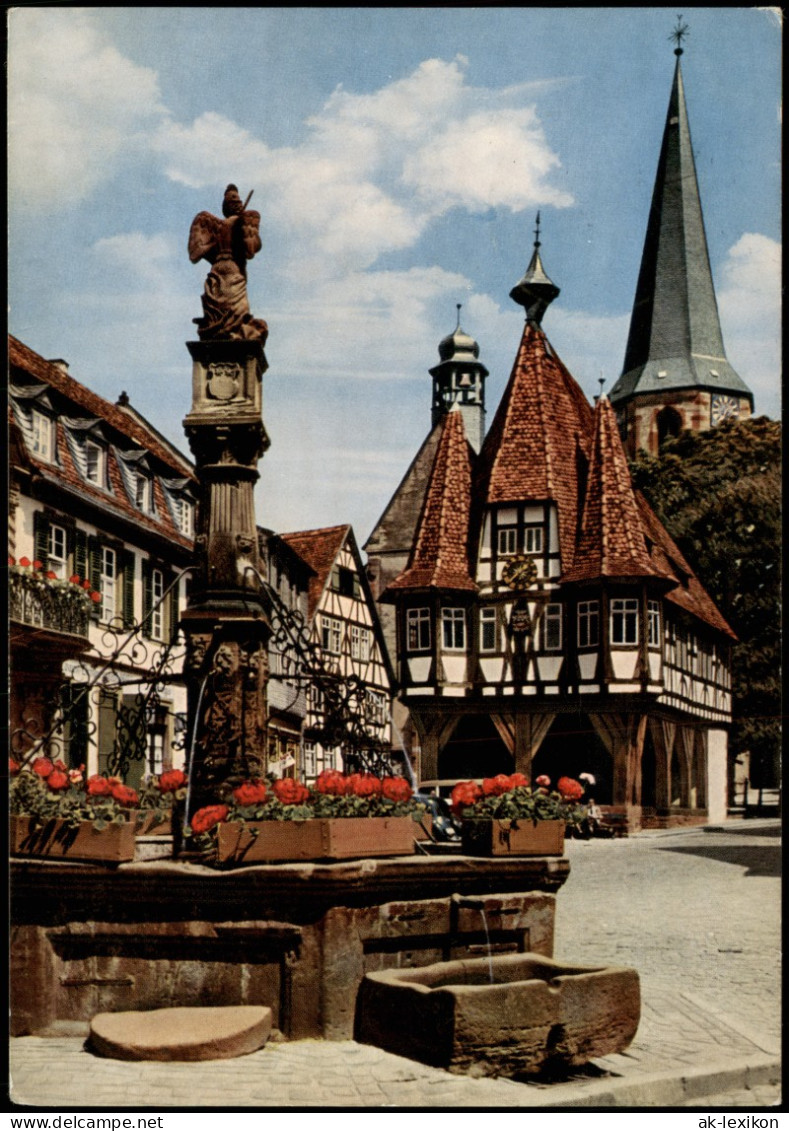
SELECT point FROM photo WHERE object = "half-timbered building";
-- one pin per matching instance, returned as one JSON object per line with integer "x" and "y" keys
{"x": 99, "y": 503}
{"x": 545, "y": 620}
{"x": 346, "y": 630}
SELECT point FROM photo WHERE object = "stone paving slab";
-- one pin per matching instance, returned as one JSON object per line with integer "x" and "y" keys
{"x": 50, "y": 1071}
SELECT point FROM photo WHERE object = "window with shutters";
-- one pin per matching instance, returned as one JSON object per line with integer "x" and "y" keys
{"x": 57, "y": 555}
{"x": 160, "y": 602}
{"x": 108, "y": 583}
{"x": 157, "y": 610}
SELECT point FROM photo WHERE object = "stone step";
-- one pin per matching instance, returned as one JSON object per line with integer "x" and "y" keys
{"x": 182, "y": 1033}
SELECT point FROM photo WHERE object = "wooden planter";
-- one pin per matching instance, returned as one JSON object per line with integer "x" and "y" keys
{"x": 487, "y": 837}
{"x": 150, "y": 824}
{"x": 111, "y": 845}
{"x": 332, "y": 838}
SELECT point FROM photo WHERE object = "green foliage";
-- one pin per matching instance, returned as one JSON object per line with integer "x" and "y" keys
{"x": 30, "y": 797}
{"x": 526, "y": 804}
{"x": 718, "y": 493}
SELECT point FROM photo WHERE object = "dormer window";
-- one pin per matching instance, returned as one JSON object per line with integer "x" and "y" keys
{"x": 184, "y": 511}
{"x": 508, "y": 539}
{"x": 43, "y": 433}
{"x": 95, "y": 463}
{"x": 532, "y": 540}
{"x": 144, "y": 492}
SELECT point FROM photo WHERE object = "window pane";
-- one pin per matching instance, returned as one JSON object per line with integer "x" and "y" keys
{"x": 553, "y": 627}
{"x": 108, "y": 581}
{"x": 454, "y": 625}
{"x": 588, "y": 624}
{"x": 56, "y": 551}
{"x": 418, "y": 625}
{"x": 624, "y": 621}
{"x": 533, "y": 540}
{"x": 508, "y": 538}
{"x": 487, "y": 626}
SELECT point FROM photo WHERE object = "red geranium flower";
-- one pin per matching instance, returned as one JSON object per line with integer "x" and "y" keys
{"x": 58, "y": 780}
{"x": 205, "y": 818}
{"x": 75, "y": 579}
{"x": 465, "y": 793}
{"x": 86, "y": 584}
{"x": 494, "y": 787}
{"x": 13, "y": 767}
{"x": 396, "y": 789}
{"x": 51, "y": 575}
{"x": 37, "y": 564}
{"x": 98, "y": 786}
{"x": 43, "y": 767}
{"x": 250, "y": 793}
{"x": 570, "y": 789}
{"x": 95, "y": 597}
{"x": 24, "y": 562}
{"x": 171, "y": 780}
{"x": 11, "y": 561}
{"x": 332, "y": 781}
{"x": 366, "y": 785}
{"x": 124, "y": 795}
{"x": 544, "y": 781}
{"x": 517, "y": 781}
{"x": 290, "y": 792}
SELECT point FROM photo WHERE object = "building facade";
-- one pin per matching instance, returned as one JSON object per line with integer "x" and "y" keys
{"x": 354, "y": 679}
{"x": 676, "y": 375}
{"x": 545, "y": 621}
{"x": 101, "y": 523}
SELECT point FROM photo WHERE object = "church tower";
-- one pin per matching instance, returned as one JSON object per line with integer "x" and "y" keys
{"x": 459, "y": 379}
{"x": 676, "y": 374}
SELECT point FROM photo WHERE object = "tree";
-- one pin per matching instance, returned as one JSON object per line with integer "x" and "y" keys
{"x": 718, "y": 493}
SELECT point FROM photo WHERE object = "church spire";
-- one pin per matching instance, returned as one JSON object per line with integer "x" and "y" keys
{"x": 675, "y": 341}
{"x": 535, "y": 292}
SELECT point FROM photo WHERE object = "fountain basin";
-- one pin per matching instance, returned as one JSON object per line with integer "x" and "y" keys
{"x": 506, "y": 1015}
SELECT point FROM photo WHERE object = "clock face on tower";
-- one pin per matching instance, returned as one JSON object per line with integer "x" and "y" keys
{"x": 519, "y": 572}
{"x": 722, "y": 408}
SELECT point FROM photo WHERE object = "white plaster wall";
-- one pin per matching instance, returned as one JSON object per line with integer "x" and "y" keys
{"x": 717, "y": 754}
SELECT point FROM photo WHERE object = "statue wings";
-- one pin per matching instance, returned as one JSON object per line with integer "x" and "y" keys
{"x": 250, "y": 229}
{"x": 203, "y": 235}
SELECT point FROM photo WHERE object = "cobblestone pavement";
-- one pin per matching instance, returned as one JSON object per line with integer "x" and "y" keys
{"x": 696, "y": 912}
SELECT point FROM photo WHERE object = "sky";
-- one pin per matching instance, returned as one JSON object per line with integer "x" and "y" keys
{"x": 398, "y": 158}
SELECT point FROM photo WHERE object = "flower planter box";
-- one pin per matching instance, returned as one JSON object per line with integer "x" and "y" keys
{"x": 483, "y": 836}
{"x": 150, "y": 824}
{"x": 111, "y": 845}
{"x": 333, "y": 838}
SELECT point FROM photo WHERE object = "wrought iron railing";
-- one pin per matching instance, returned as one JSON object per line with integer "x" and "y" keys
{"x": 46, "y": 603}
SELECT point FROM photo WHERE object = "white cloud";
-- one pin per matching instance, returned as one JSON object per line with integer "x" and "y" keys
{"x": 374, "y": 169}
{"x": 750, "y": 308}
{"x": 76, "y": 107}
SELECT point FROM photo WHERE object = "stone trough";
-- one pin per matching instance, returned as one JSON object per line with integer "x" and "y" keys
{"x": 506, "y": 1015}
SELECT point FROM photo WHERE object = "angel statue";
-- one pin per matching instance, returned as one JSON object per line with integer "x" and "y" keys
{"x": 227, "y": 245}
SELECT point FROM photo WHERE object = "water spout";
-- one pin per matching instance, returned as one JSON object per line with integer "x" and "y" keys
{"x": 477, "y": 903}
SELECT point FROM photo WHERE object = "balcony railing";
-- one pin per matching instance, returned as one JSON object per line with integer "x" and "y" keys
{"x": 40, "y": 602}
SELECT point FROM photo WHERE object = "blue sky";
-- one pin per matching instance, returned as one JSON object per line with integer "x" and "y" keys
{"x": 398, "y": 158}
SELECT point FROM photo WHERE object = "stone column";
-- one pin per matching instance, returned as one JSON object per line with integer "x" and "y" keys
{"x": 226, "y": 625}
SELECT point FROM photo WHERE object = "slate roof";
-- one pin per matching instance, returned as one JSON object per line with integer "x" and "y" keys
{"x": 123, "y": 431}
{"x": 440, "y": 556}
{"x": 539, "y": 438}
{"x": 675, "y": 339}
{"x": 319, "y": 549}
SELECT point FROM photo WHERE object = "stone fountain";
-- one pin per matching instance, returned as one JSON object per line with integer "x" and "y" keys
{"x": 298, "y": 938}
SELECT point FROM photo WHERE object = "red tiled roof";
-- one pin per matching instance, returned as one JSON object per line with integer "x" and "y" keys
{"x": 24, "y": 358}
{"x": 689, "y": 594}
{"x": 440, "y": 557}
{"x": 319, "y": 549}
{"x": 64, "y": 473}
{"x": 611, "y": 543}
{"x": 541, "y": 429}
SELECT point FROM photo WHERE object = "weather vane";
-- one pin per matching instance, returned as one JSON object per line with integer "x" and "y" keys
{"x": 537, "y": 232}
{"x": 679, "y": 33}
{"x": 458, "y": 305}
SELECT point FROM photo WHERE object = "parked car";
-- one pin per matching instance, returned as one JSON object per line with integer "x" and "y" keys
{"x": 445, "y": 827}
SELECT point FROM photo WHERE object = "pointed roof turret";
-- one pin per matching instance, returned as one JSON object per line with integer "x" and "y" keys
{"x": 535, "y": 292}
{"x": 440, "y": 556}
{"x": 675, "y": 339}
{"x": 539, "y": 437}
{"x": 611, "y": 542}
